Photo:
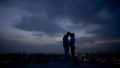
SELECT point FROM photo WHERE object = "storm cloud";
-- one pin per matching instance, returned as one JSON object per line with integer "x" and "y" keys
{"x": 43, "y": 23}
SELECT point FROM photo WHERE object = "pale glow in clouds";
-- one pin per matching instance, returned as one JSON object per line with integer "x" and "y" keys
{"x": 65, "y": 23}
{"x": 68, "y": 25}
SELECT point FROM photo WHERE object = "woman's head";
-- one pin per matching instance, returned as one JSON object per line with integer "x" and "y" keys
{"x": 72, "y": 35}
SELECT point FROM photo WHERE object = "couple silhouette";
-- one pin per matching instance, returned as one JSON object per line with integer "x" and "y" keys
{"x": 69, "y": 43}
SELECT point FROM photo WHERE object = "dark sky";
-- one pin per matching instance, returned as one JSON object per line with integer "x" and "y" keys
{"x": 37, "y": 26}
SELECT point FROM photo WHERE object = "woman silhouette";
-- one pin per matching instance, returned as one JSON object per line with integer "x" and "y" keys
{"x": 72, "y": 44}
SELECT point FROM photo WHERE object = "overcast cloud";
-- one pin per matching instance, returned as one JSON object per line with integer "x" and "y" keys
{"x": 38, "y": 25}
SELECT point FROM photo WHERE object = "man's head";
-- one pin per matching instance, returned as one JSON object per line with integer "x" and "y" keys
{"x": 68, "y": 33}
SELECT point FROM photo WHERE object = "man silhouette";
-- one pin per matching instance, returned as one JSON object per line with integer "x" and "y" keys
{"x": 66, "y": 46}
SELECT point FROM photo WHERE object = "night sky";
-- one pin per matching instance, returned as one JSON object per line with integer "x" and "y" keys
{"x": 37, "y": 26}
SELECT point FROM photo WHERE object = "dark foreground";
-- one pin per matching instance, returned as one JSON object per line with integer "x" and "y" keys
{"x": 22, "y": 60}
{"x": 65, "y": 65}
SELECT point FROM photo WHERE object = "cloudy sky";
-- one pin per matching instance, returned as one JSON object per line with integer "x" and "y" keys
{"x": 37, "y": 26}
